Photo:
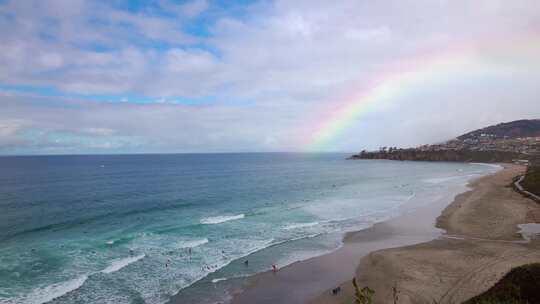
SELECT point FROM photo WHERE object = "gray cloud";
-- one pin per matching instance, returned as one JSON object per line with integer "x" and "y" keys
{"x": 269, "y": 72}
{"x": 71, "y": 125}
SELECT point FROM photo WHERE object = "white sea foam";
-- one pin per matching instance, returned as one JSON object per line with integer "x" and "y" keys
{"x": 48, "y": 293}
{"x": 234, "y": 277}
{"x": 121, "y": 263}
{"x": 218, "y": 264}
{"x": 193, "y": 243}
{"x": 488, "y": 165}
{"x": 110, "y": 242}
{"x": 460, "y": 179}
{"x": 439, "y": 180}
{"x": 300, "y": 225}
{"x": 221, "y": 219}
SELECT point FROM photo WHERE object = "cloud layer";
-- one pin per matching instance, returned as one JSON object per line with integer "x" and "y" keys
{"x": 106, "y": 77}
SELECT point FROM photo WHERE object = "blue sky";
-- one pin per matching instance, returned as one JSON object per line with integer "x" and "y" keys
{"x": 171, "y": 76}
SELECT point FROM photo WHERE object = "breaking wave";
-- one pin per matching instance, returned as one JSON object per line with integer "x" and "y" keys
{"x": 48, "y": 293}
{"x": 121, "y": 263}
{"x": 300, "y": 225}
{"x": 221, "y": 219}
{"x": 194, "y": 243}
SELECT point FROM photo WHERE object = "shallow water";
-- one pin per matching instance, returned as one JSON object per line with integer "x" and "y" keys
{"x": 529, "y": 231}
{"x": 140, "y": 228}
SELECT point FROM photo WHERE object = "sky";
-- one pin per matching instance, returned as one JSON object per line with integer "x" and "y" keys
{"x": 164, "y": 76}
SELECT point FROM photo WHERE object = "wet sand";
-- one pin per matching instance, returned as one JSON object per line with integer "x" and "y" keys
{"x": 311, "y": 280}
{"x": 482, "y": 243}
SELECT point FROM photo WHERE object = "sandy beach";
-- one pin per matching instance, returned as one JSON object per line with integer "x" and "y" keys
{"x": 461, "y": 250}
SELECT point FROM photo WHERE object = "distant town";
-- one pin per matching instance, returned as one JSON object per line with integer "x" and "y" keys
{"x": 489, "y": 142}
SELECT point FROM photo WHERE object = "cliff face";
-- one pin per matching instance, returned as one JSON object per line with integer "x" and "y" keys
{"x": 443, "y": 155}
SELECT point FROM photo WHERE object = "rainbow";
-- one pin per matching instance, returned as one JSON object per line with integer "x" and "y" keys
{"x": 422, "y": 72}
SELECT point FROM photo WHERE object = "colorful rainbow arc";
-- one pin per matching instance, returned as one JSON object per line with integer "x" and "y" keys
{"x": 417, "y": 74}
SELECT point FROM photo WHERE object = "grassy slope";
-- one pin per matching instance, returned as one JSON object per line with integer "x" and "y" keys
{"x": 519, "y": 286}
{"x": 532, "y": 180}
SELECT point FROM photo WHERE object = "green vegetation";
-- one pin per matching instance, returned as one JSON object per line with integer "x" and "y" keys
{"x": 531, "y": 182}
{"x": 519, "y": 286}
{"x": 364, "y": 295}
{"x": 442, "y": 155}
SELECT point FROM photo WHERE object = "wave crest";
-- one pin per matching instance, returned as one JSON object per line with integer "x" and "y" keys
{"x": 300, "y": 225}
{"x": 221, "y": 219}
{"x": 121, "y": 263}
{"x": 194, "y": 243}
{"x": 51, "y": 292}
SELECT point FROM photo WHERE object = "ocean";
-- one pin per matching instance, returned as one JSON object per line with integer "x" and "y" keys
{"x": 141, "y": 228}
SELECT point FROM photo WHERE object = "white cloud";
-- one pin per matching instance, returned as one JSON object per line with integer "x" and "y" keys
{"x": 194, "y": 8}
{"x": 98, "y": 131}
{"x": 9, "y": 127}
{"x": 50, "y": 60}
{"x": 270, "y": 71}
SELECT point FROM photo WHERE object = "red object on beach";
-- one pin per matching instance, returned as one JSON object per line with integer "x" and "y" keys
{"x": 274, "y": 268}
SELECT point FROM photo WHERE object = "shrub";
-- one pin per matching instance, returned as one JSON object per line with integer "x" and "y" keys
{"x": 519, "y": 286}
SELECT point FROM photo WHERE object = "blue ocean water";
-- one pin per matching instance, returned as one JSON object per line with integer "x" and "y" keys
{"x": 140, "y": 228}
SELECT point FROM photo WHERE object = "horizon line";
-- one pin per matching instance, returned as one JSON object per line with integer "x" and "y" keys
{"x": 177, "y": 153}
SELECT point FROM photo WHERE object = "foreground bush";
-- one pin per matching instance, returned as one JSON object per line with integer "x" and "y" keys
{"x": 519, "y": 286}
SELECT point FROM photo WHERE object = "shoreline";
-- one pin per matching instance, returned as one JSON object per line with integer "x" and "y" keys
{"x": 306, "y": 280}
{"x": 480, "y": 244}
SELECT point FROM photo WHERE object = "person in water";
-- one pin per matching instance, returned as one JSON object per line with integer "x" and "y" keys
{"x": 246, "y": 262}
{"x": 274, "y": 268}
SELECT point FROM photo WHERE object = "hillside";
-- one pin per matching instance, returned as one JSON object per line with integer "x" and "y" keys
{"x": 504, "y": 142}
{"x": 514, "y": 129}
{"x": 442, "y": 155}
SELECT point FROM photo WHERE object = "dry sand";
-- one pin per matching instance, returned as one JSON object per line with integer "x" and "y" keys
{"x": 480, "y": 246}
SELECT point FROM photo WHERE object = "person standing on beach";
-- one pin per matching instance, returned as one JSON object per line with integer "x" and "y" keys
{"x": 274, "y": 268}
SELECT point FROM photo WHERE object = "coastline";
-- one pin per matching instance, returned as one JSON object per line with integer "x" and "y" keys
{"x": 480, "y": 245}
{"x": 305, "y": 281}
